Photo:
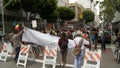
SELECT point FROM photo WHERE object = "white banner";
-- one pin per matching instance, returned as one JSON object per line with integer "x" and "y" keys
{"x": 39, "y": 38}
{"x": 34, "y": 23}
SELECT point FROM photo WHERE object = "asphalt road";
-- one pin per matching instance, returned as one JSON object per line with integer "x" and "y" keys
{"x": 107, "y": 61}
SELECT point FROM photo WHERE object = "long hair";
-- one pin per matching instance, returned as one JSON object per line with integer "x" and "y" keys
{"x": 63, "y": 35}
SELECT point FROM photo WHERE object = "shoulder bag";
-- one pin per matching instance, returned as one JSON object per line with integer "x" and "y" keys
{"x": 77, "y": 50}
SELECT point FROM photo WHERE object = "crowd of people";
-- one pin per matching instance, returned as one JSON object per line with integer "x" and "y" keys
{"x": 88, "y": 35}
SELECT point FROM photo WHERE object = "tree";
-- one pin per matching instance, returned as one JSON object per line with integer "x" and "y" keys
{"x": 47, "y": 8}
{"x": 52, "y": 17}
{"x": 65, "y": 13}
{"x": 33, "y": 7}
{"x": 116, "y": 3}
{"x": 88, "y": 16}
{"x": 108, "y": 10}
{"x": 14, "y": 5}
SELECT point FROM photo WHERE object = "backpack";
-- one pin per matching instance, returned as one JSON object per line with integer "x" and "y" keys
{"x": 64, "y": 44}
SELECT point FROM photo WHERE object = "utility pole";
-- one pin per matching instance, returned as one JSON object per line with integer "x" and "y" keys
{"x": 3, "y": 24}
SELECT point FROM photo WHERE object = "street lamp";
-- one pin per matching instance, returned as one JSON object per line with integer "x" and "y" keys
{"x": 3, "y": 6}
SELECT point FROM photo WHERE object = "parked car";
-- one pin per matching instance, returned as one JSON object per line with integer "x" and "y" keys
{"x": 107, "y": 36}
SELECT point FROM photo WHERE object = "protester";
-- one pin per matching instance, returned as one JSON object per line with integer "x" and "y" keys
{"x": 63, "y": 44}
{"x": 96, "y": 39}
{"x": 15, "y": 40}
{"x": 116, "y": 31}
{"x": 80, "y": 58}
{"x": 118, "y": 40}
{"x": 69, "y": 35}
{"x": 103, "y": 46}
{"x": 53, "y": 32}
{"x": 92, "y": 37}
{"x": 113, "y": 38}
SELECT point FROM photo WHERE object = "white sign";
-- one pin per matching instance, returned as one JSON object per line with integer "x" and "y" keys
{"x": 34, "y": 23}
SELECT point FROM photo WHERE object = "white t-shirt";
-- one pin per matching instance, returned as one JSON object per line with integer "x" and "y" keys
{"x": 77, "y": 39}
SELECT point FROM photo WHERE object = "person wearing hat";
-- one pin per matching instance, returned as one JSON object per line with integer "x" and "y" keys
{"x": 16, "y": 42}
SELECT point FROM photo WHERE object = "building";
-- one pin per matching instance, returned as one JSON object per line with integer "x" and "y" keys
{"x": 63, "y": 2}
{"x": 85, "y": 3}
{"x": 78, "y": 9}
{"x": 116, "y": 20}
{"x": 90, "y": 6}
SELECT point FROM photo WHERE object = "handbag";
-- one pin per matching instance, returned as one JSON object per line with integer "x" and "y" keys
{"x": 77, "y": 50}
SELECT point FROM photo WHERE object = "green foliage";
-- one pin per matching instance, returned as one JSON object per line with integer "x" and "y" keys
{"x": 108, "y": 10}
{"x": 116, "y": 3}
{"x": 52, "y": 17}
{"x": 65, "y": 13}
{"x": 14, "y": 5}
{"x": 42, "y": 7}
{"x": 29, "y": 5}
{"x": 47, "y": 8}
{"x": 88, "y": 16}
{"x": 91, "y": 1}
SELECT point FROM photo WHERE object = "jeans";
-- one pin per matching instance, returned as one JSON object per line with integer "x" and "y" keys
{"x": 17, "y": 53}
{"x": 79, "y": 60}
{"x": 103, "y": 47}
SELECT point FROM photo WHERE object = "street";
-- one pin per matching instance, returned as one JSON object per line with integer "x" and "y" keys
{"x": 107, "y": 61}
{"x": 47, "y": 30}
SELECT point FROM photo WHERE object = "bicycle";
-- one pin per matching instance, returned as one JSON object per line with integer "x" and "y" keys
{"x": 116, "y": 53}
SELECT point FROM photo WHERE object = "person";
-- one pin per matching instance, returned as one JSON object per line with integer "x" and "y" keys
{"x": 16, "y": 43}
{"x": 116, "y": 31}
{"x": 117, "y": 46}
{"x": 103, "y": 38}
{"x": 69, "y": 35}
{"x": 92, "y": 37}
{"x": 63, "y": 47}
{"x": 96, "y": 39}
{"x": 117, "y": 40}
{"x": 113, "y": 38}
{"x": 80, "y": 58}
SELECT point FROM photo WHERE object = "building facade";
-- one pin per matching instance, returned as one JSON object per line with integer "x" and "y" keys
{"x": 116, "y": 20}
{"x": 90, "y": 6}
{"x": 63, "y": 2}
{"x": 78, "y": 9}
{"x": 85, "y": 3}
